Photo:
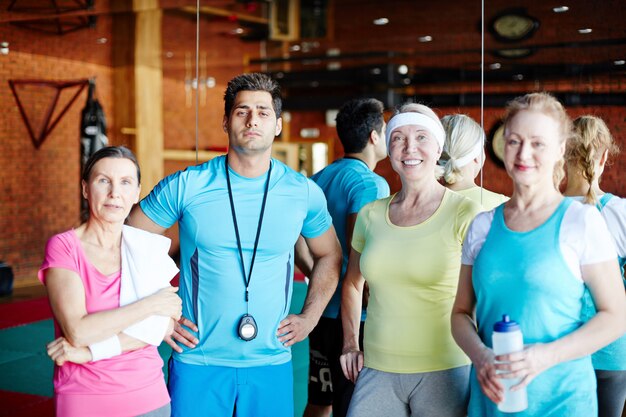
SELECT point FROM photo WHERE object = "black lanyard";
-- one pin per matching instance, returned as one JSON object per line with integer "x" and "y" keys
{"x": 246, "y": 279}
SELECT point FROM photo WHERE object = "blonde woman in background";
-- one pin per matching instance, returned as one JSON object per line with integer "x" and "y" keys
{"x": 462, "y": 159}
{"x": 586, "y": 156}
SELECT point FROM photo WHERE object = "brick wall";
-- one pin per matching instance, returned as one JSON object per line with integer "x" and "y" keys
{"x": 39, "y": 188}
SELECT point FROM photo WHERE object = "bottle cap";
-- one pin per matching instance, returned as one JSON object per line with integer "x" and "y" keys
{"x": 506, "y": 325}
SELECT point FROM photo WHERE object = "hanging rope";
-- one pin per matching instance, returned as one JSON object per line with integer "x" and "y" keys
{"x": 482, "y": 92}
{"x": 197, "y": 80}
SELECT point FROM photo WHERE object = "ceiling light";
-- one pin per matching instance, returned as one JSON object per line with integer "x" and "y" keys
{"x": 560, "y": 9}
{"x": 376, "y": 71}
{"x": 309, "y": 132}
{"x": 495, "y": 66}
{"x": 237, "y": 31}
{"x": 403, "y": 69}
{"x": 102, "y": 40}
{"x": 585, "y": 31}
{"x": 426, "y": 38}
{"x": 308, "y": 46}
{"x": 169, "y": 54}
{"x": 294, "y": 48}
{"x": 518, "y": 77}
{"x": 381, "y": 21}
{"x": 619, "y": 62}
{"x": 406, "y": 81}
{"x": 4, "y": 48}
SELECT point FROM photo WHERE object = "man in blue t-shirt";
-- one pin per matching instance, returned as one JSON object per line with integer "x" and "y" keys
{"x": 239, "y": 216}
{"x": 348, "y": 183}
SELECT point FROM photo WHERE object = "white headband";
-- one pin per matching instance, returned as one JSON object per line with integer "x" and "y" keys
{"x": 475, "y": 152}
{"x": 413, "y": 118}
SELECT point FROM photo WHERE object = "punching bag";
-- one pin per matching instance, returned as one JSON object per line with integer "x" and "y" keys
{"x": 93, "y": 131}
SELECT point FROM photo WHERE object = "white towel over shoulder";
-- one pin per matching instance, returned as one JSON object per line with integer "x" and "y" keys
{"x": 146, "y": 268}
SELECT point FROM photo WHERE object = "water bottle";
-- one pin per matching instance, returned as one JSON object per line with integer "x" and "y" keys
{"x": 507, "y": 338}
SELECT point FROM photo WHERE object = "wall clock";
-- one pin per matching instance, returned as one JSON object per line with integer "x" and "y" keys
{"x": 513, "y": 26}
{"x": 513, "y": 53}
{"x": 496, "y": 144}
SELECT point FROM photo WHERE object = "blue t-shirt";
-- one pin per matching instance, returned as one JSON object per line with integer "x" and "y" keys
{"x": 348, "y": 184}
{"x": 211, "y": 282}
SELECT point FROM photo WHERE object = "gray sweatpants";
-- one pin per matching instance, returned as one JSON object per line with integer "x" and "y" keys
{"x": 440, "y": 393}
{"x": 164, "y": 411}
{"x": 611, "y": 393}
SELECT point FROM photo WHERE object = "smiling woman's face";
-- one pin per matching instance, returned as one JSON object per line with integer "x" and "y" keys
{"x": 413, "y": 152}
{"x": 533, "y": 146}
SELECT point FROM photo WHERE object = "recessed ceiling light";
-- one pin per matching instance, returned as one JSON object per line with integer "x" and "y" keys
{"x": 381, "y": 21}
{"x": 619, "y": 62}
{"x": 376, "y": 71}
{"x": 237, "y": 31}
{"x": 169, "y": 54}
{"x": 102, "y": 40}
{"x": 406, "y": 81}
{"x": 585, "y": 31}
{"x": 295, "y": 48}
{"x": 518, "y": 77}
{"x": 426, "y": 38}
{"x": 403, "y": 69}
{"x": 560, "y": 9}
{"x": 495, "y": 66}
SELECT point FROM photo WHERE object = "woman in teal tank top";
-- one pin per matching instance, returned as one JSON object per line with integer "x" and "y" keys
{"x": 531, "y": 258}
{"x": 586, "y": 156}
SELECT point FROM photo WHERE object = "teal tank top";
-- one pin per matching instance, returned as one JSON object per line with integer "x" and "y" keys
{"x": 613, "y": 356}
{"x": 524, "y": 275}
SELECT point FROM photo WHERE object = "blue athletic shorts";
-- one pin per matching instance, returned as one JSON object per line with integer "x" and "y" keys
{"x": 204, "y": 390}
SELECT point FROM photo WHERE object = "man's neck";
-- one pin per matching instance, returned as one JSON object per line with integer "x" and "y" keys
{"x": 369, "y": 160}
{"x": 249, "y": 165}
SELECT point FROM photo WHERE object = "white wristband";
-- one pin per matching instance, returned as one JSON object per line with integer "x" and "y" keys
{"x": 105, "y": 349}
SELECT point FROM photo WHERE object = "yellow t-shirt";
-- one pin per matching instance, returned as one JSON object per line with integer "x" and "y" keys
{"x": 490, "y": 200}
{"x": 412, "y": 274}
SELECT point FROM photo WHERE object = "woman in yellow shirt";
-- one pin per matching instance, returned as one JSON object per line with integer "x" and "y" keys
{"x": 408, "y": 249}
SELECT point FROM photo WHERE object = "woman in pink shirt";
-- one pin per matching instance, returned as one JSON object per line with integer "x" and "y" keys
{"x": 100, "y": 370}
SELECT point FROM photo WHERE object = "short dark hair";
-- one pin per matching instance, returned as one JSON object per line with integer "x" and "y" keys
{"x": 110, "y": 152}
{"x": 356, "y": 119}
{"x": 254, "y": 81}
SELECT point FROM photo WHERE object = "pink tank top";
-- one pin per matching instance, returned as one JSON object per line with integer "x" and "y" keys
{"x": 125, "y": 385}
